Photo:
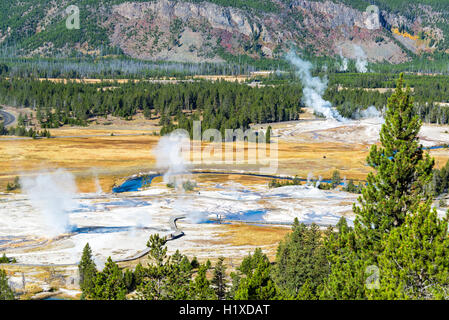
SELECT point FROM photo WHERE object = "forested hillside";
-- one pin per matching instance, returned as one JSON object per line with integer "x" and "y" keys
{"x": 225, "y": 30}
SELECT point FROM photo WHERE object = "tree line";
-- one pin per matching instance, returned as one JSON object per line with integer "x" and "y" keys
{"x": 220, "y": 104}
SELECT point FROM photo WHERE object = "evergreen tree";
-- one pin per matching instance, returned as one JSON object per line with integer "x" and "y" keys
{"x": 306, "y": 292}
{"x": 255, "y": 283}
{"x": 219, "y": 279}
{"x": 109, "y": 284}
{"x": 396, "y": 191}
{"x": 139, "y": 274}
{"x": 335, "y": 179}
{"x": 268, "y": 135}
{"x": 167, "y": 277}
{"x": 153, "y": 287}
{"x": 301, "y": 258}
{"x": 347, "y": 278}
{"x": 403, "y": 173}
{"x": 129, "y": 280}
{"x": 158, "y": 250}
{"x": 415, "y": 261}
{"x": 202, "y": 289}
{"x": 178, "y": 277}
{"x": 6, "y": 292}
{"x": 87, "y": 271}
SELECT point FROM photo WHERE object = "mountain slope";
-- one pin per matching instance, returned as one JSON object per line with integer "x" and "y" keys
{"x": 218, "y": 30}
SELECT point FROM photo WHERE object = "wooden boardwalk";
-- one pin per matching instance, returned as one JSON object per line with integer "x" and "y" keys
{"x": 177, "y": 233}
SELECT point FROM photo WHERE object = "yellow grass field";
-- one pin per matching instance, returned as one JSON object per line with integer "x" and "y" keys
{"x": 94, "y": 152}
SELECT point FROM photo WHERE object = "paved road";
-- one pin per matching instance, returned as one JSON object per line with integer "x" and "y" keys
{"x": 7, "y": 117}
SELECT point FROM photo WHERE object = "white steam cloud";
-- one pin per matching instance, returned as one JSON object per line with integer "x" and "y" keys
{"x": 369, "y": 113}
{"x": 309, "y": 178}
{"x": 169, "y": 156}
{"x": 344, "y": 62}
{"x": 53, "y": 195}
{"x": 361, "y": 62}
{"x": 313, "y": 88}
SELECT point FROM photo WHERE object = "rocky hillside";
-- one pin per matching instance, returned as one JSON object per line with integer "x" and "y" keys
{"x": 217, "y": 30}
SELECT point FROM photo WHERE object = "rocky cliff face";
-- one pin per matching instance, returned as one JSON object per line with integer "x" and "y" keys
{"x": 179, "y": 30}
{"x": 187, "y": 31}
{"x": 204, "y": 31}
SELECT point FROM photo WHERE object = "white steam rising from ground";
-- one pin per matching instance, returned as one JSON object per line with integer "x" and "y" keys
{"x": 361, "y": 62}
{"x": 369, "y": 113}
{"x": 98, "y": 188}
{"x": 313, "y": 88}
{"x": 169, "y": 157}
{"x": 52, "y": 193}
{"x": 344, "y": 62}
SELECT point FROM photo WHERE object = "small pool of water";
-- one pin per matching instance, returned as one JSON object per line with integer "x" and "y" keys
{"x": 134, "y": 184}
{"x": 249, "y": 215}
{"x": 54, "y": 298}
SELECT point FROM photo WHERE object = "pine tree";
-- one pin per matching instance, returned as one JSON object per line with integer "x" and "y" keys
{"x": 347, "y": 272}
{"x": 178, "y": 277}
{"x": 256, "y": 283}
{"x": 301, "y": 257}
{"x": 139, "y": 274}
{"x": 109, "y": 284}
{"x": 403, "y": 173}
{"x": 154, "y": 284}
{"x": 219, "y": 279}
{"x": 87, "y": 271}
{"x": 415, "y": 261}
{"x": 397, "y": 190}
{"x": 6, "y": 292}
{"x": 158, "y": 250}
{"x": 202, "y": 289}
{"x": 129, "y": 280}
{"x": 335, "y": 178}
{"x": 268, "y": 135}
{"x": 306, "y": 292}
{"x": 347, "y": 278}
{"x": 167, "y": 277}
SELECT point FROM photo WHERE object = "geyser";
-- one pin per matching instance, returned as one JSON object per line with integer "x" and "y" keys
{"x": 169, "y": 156}
{"x": 361, "y": 61}
{"x": 53, "y": 194}
{"x": 313, "y": 88}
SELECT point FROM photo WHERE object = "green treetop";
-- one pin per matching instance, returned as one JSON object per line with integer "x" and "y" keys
{"x": 256, "y": 283}
{"x": 202, "y": 289}
{"x": 415, "y": 261}
{"x": 301, "y": 259}
{"x": 109, "y": 283}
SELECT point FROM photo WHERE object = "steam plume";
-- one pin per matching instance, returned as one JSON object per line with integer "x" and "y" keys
{"x": 313, "y": 88}
{"x": 169, "y": 157}
{"x": 371, "y": 112}
{"x": 344, "y": 62}
{"x": 53, "y": 194}
{"x": 361, "y": 61}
